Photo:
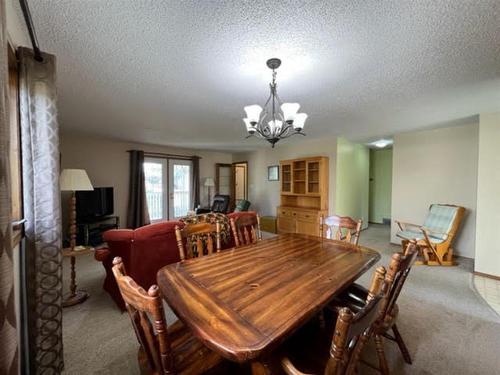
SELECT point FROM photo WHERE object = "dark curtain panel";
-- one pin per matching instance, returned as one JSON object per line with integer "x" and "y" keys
{"x": 137, "y": 214}
{"x": 42, "y": 209}
{"x": 9, "y": 356}
{"x": 195, "y": 191}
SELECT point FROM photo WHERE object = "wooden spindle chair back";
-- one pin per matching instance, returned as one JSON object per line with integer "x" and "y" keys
{"x": 199, "y": 239}
{"x": 341, "y": 228}
{"x": 246, "y": 229}
{"x": 352, "y": 331}
{"x": 143, "y": 306}
{"x": 399, "y": 268}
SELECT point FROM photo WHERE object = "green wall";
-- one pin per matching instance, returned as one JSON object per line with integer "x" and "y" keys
{"x": 380, "y": 185}
{"x": 353, "y": 167}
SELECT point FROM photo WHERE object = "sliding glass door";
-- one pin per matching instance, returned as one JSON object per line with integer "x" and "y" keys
{"x": 180, "y": 182}
{"x": 168, "y": 187}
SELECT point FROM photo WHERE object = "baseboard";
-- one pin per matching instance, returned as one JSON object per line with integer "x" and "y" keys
{"x": 487, "y": 275}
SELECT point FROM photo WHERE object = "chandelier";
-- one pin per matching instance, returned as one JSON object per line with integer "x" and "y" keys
{"x": 277, "y": 120}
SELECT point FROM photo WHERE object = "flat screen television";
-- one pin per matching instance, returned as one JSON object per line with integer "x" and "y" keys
{"x": 94, "y": 204}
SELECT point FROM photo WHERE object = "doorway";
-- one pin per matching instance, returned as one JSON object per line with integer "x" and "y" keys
{"x": 232, "y": 180}
{"x": 380, "y": 186}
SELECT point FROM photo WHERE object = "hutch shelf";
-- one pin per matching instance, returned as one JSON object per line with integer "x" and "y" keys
{"x": 303, "y": 195}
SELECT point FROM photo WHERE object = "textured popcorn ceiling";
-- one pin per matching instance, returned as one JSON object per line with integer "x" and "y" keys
{"x": 180, "y": 72}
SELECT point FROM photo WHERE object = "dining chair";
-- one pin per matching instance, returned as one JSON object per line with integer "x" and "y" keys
{"x": 199, "y": 239}
{"x": 342, "y": 228}
{"x": 314, "y": 351}
{"x": 356, "y": 297}
{"x": 246, "y": 229}
{"x": 162, "y": 350}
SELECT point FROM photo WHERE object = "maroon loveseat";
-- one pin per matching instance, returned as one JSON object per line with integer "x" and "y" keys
{"x": 144, "y": 251}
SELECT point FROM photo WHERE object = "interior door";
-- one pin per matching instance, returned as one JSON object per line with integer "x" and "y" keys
{"x": 240, "y": 182}
{"x": 180, "y": 173}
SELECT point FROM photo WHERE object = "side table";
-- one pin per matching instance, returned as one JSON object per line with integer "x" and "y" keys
{"x": 76, "y": 296}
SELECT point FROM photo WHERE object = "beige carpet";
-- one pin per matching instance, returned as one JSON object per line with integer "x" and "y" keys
{"x": 447, "y": 326}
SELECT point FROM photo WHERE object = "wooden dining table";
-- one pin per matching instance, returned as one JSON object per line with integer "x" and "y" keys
{"x": 243, "y": 302}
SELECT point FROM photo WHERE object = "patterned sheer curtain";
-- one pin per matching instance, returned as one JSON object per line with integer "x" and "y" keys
{"x": 40, "y": 164}
{"x": 9, "y": 355}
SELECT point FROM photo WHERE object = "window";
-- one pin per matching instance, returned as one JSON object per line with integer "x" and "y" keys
{"x": 15, "y": 148}
{"x": 168, "y": 187}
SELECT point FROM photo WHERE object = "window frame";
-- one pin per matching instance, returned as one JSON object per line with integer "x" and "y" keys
{"x": 15, "y": 163}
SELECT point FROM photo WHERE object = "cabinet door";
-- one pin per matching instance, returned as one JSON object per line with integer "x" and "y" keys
{"x": 286, "y": 224}
{"x": 307, "y": 227}
{"x": 286, "y": 178}
{"x": 313, "y": 177}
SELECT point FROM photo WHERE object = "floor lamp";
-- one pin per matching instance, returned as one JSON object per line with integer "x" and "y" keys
{"x": 74, "y": 180}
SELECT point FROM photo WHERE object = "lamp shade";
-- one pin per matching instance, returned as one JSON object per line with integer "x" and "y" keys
{"x": 253, "y": 112}
{"x": 209, "y": 181}
{"x": 75, "y": 180}
{"x": 289, "y": 110}
{"x": 299, "y": 121}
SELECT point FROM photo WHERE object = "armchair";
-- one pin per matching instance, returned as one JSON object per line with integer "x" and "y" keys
{"x": 434, "y": 238}
{"x": 220, "y": 204}
{"x": 242, "y": 205}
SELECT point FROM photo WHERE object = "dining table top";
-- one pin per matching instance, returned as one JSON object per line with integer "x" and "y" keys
{"x": 243, "y": 302}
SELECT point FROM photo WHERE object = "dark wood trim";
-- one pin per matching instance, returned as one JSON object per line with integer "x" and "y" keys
{"x": 162, "y": 155}
{"x": 486, "y": 275}
{"x": 217, "y": 176}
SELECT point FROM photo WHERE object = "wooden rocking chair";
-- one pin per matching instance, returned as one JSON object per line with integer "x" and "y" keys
{"x": 435, "y": 237}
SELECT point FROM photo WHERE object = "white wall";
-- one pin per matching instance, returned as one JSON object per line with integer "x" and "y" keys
{"x": 436, "y": 166}
{"x": 107, "y": 164}
{"x": 16, "y": 28}
{"x": 265, "y": 195}
{"x": 352, "y": 189}
{"x": 488, "y": 196}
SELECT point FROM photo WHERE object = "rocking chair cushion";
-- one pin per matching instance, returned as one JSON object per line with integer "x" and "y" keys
{"x": 440, "y": 219}
{"x": 417, "y": 236}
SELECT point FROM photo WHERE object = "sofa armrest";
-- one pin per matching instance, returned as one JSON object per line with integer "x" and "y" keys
{"x": 102, "y": 254}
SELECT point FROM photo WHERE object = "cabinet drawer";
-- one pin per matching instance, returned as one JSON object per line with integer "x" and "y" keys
{"x": 308, "y": 216}
{"x": 286, "y": 224}
{"x": 306, "y": 227}
{"x": 286, "y": 212}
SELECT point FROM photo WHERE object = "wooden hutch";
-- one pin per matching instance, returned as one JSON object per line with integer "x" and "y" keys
{"x": 303, "y": 195}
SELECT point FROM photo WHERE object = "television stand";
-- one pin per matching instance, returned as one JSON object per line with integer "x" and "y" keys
{"x": 90, "y": 232}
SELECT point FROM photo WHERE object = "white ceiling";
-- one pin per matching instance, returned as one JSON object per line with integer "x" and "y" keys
{"x": 180, "y": 72}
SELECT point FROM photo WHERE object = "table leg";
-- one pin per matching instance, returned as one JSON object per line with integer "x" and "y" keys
{"x": 75, "y": 296}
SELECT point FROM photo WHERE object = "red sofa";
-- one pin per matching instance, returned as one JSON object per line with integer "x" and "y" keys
{"x": 144, "y": 251}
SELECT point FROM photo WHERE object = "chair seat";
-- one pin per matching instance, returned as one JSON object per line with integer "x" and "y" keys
{"x": 190, "y": 356}
{"x": 418, "y": 236}
{"x": 354, "y": 298}
{"x": 309, "y": 349}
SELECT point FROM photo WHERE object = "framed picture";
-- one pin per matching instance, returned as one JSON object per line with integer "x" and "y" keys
{"x": 273, "y": 173}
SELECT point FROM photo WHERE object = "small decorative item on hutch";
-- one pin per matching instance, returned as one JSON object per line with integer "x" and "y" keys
{"x": 273, "y": 173}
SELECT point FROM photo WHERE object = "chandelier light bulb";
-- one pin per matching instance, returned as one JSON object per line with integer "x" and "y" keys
{"x": 253, "y": 113}
{"x": 289, "y": 111}
{"x": 275, "y": 126}
{"x": 299, "y": 121}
